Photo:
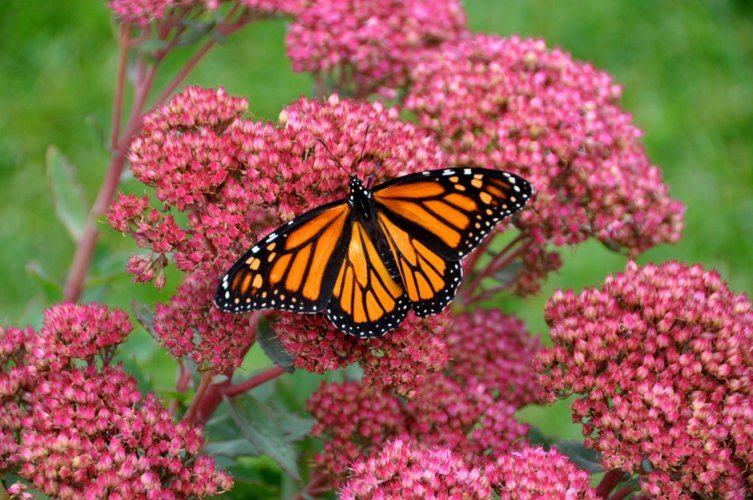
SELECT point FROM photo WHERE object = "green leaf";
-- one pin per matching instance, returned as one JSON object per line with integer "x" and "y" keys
{"x": 108, "y": 269}
{"x": 98, "y": 132}
{"x": 51, "y": 288}
{"x": 260, "y": 425}
{"x": 195, "y": 31}
{"x": 145, "y": 317}
{"x": 67, "y": 196}
{"x": 272, "y": 347}
{"x": 294, "y": 427}
{"x": 131, "y": 366}
{"x": 232, "y": 448}
{"x": 583, "y": 457}
{"x": 151, "y": 46}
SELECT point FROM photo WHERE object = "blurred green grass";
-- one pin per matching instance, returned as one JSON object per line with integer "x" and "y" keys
{"x": 686, "y": 68}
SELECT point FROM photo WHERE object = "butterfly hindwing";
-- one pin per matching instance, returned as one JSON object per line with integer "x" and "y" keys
{"x": 292, "y": 268}
{"x": 429, "y": 279}
{"x": 432, "y": 219}
{"x": 367, "y": 298}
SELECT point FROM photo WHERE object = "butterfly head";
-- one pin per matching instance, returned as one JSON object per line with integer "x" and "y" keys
{"x": 357, "y": 188}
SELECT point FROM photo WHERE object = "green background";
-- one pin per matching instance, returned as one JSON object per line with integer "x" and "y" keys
{"x": 687, "y": 72}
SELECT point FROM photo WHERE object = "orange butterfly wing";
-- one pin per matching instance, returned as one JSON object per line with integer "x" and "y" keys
{"x": 367, "y": 298}
{"x": 432, "y": 219}
{"x": 367, "y": 269}
{"x": 292, "y": 268}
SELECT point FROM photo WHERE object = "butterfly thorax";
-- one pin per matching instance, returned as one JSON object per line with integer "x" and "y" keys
{"x": 360, "y": 199}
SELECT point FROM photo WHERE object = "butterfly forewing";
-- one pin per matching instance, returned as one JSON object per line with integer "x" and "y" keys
{"x": 292, "y": 268}
{"x": 367, "y": 298}
{"x": 451, "y": 210}
{"x": 434, "y": 218}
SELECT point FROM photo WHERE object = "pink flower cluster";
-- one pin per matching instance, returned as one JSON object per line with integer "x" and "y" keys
{"x": 662, "y": 357}
{"x": 400, "y": 360}
{"x": 140, "y": 12}
{"x": 465, "y": 418}
{"x": 370, "y": 46}
{"x": 73, "y": 425}
{"x": 496, "y": 350}
{"x": 357, "y": 420}
{"x": 189, "y": 326}
{"x": 403, "y": 470}
{"x": 267, "y": 7}
{"x": 143, "y": 12}
{"x": 89, "y": 433}
{"x": 534, "y": 473}
{"x": 468, "y": 407}
{"x": 513, "y": 104}
{"x": 230, "y": 180}
{"x": 234, "y": 179}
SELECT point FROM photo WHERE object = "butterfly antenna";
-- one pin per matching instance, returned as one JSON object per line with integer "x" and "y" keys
{"x": 333, "y": 156}
{"x": 363, "y": 148}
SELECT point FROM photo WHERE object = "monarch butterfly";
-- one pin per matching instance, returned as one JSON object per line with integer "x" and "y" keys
{"x": 369, "y": 258}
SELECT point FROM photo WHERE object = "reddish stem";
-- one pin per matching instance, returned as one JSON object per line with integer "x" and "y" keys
{"x": 245, "y": 386}
{"x": 206, "y": 380}
{"x": 610, "y": 480}
{"x": 476, "y": 255}
{"x": 189, "y": 66}
{"x": 500, "y": 260}
{"x": 117, "y": 114}
{"x": 207, "y": 400}
{"x": 223, "y": 28}
{"x": 487, "y": 293}
{"x": 74, "y": 283}
{"x": 145, "y": 78}
{"x": 620, "y": 494}
{"x": 317, "y": 484}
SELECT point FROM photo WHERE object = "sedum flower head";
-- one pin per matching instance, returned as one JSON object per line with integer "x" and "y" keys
{"x": 400, "y": 360}
{"x": 222, "y": 181}
{"x": 144, "y": 12}
{"x": 496, "y": 350}
{"x": 73, "y": 425}
{"x": 662, "y": 359}
{"x": 189, "y": 325}
{"x": 532, "y": 472}
{"x": 87, "y": 432}
{"x": 369, "y": 46}
{"x": 404, "y": 470}
{"x": 235, "y": 179}
{"x": 465, "y": 418}
{"x": 355, "y": 419}
{"x": 513, "y": 104}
